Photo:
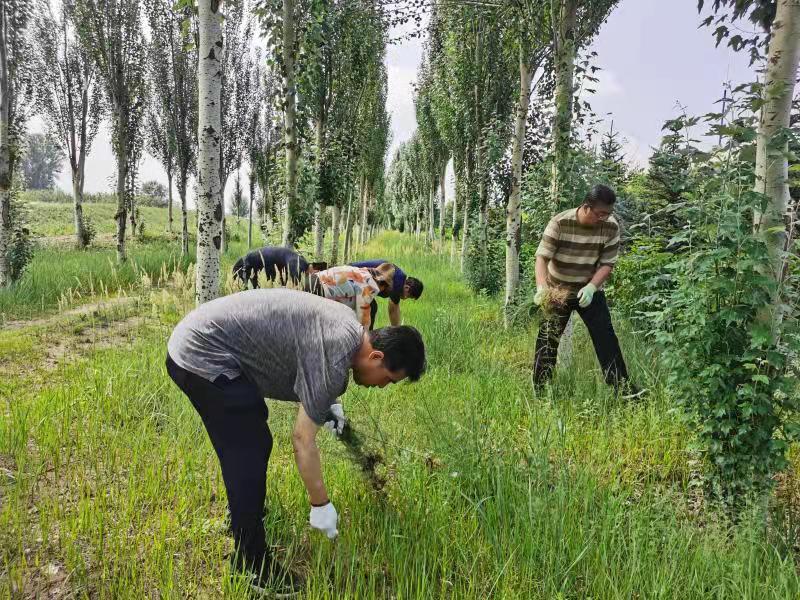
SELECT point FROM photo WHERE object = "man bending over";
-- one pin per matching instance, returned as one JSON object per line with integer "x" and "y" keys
{"x": 231, "y": 353}
{"x": 403, "y": 288}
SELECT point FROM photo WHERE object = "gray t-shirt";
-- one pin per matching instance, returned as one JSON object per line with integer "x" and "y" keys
{"x": 292, "y": 345}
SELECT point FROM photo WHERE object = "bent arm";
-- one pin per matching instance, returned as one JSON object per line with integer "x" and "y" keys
{"x": 601, "y": 275}
{"x": 306, "y": 456}
{"x": 394, "y": 313}
{"x": 541, "y": 270}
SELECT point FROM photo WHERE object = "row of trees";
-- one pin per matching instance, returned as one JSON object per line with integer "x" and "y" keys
{"x": 185, "y": 83}
{"x": 482, "y": 64}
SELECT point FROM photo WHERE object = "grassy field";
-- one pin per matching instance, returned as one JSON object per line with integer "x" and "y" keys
{"x": 55, "y": 219}
{"x": 109, "y": 487}
{"x": 59, "y": 277}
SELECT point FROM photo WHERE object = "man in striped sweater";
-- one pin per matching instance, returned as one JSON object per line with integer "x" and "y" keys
{"x": 577, "y": 252}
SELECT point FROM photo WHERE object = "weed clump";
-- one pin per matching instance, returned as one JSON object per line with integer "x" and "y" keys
{"x": 367, "y": 460}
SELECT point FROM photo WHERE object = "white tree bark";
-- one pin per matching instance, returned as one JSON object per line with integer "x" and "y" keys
{"x": 772, "y": 167}
{"x": 513, "y": 210}
{"x": 441, "y": 200}
{"x": 5, "y": 153}
{"x": 289, "y": 121}
{"x": 209, "y": 201}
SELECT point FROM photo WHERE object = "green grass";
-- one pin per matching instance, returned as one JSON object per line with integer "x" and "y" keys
{"x": 59, "y": 275}
{"x": 55, "y": 219}
{"x": 109, "y": 487}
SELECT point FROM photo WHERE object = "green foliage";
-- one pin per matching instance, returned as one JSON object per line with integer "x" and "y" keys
{"x": 89, "y": 231}
{"x": 728, "y": 335}
{"x": 484, "y": 263}
{"x": 41, "y": 161}
{"x": 641, "y": 283}
{"x": 152, "y": 193}
{"x": 21, "y": 247}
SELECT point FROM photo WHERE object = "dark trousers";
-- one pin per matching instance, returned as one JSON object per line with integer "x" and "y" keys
{"x": 235, "y": 417}
{"x": 606, "y": 345}
{"x": 373, "y": 310}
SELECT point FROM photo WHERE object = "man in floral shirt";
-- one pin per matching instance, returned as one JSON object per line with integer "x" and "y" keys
{"x": 354, "y": 287}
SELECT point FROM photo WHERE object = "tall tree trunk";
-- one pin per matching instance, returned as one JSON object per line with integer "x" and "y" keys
{"x": 442, "y": 175}
{"x": 223, "y": 181}
{"x": 564, "y": 92}
{"x": 772, "y": 166}
{"x": 319, "y": 221}
{"x": 250, "y": 211}
{"x": 431, "y": 211}
{"x": 362, "y": 232}
{"x": 184, "y": 216}
{"x": 77, "y": 201}
{"x": 467, "y": 201}
{"x": 209, "y": 127}
{"x": 122, "y": 206}
{"x": 348, "y": 226}
{"x": 289, "y": 118}
{"x": 335, "y": 214}
{"x": 169, "y": 188}
{"x": 5, "y": 154}
{"x": 513, "y": 211}
{"x": 458, "y": 185}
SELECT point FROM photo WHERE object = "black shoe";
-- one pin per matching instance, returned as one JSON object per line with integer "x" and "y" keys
{"x": 276, "y": 581}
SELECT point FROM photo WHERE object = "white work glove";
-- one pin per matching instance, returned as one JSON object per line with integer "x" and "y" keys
{"x": 336, "y": 419}
{"x": 586, "y": 294}
{"x": 325, "y": 519}
{"x": 538, "y": 297}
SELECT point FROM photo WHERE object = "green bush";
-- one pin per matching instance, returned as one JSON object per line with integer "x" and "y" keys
{"x": 484, "y": 262}
{"x": 641, "y": 282}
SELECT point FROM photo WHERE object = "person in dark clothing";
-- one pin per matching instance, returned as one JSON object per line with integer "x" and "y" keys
{"x": 229, "y": 354}
{"x": 403, "y": 288}
{"x": 276, "y": 261}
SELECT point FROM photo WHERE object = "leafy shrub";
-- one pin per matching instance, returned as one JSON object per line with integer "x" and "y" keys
{"x": 21, "y": 247}
{"x": 641, "y": 282}
{"x": 484, "y": 262}
{"x": 727, "y": 334}
{"x": 89, "y": 231}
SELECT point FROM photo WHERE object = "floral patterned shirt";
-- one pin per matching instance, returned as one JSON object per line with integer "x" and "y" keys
{"x": 352, "y": 286}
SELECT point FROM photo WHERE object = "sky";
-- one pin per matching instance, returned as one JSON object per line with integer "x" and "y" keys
{"x": 653, "y": 57}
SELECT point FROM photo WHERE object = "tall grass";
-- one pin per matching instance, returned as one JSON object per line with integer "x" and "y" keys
{"x": 112, "y": 490}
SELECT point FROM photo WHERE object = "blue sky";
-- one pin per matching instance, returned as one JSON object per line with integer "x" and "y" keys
{"x": 653, "y": 58}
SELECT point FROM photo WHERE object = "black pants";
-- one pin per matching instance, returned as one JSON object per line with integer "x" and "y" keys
{"x": 235, "y": 416}
{"x": 606, "y": 345}
{"x": 373, "y": 310}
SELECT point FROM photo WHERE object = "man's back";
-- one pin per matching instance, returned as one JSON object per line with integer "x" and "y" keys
{"x": 291, "y": 345}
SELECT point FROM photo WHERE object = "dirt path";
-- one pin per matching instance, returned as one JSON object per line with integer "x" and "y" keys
{"x": 82, "y": 310}
{"x": 39, "y": 346}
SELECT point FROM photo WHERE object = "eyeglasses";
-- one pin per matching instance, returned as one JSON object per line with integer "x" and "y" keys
{"x": 599, "y": 214}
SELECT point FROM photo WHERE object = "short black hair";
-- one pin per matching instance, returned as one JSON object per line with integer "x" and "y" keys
{"x": 403, "y": 349}
{"x": 415, "y": 287}
{"x": 600, "y": 194}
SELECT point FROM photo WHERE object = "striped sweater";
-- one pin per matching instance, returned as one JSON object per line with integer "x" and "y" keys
{"x": 576, "y": 251}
